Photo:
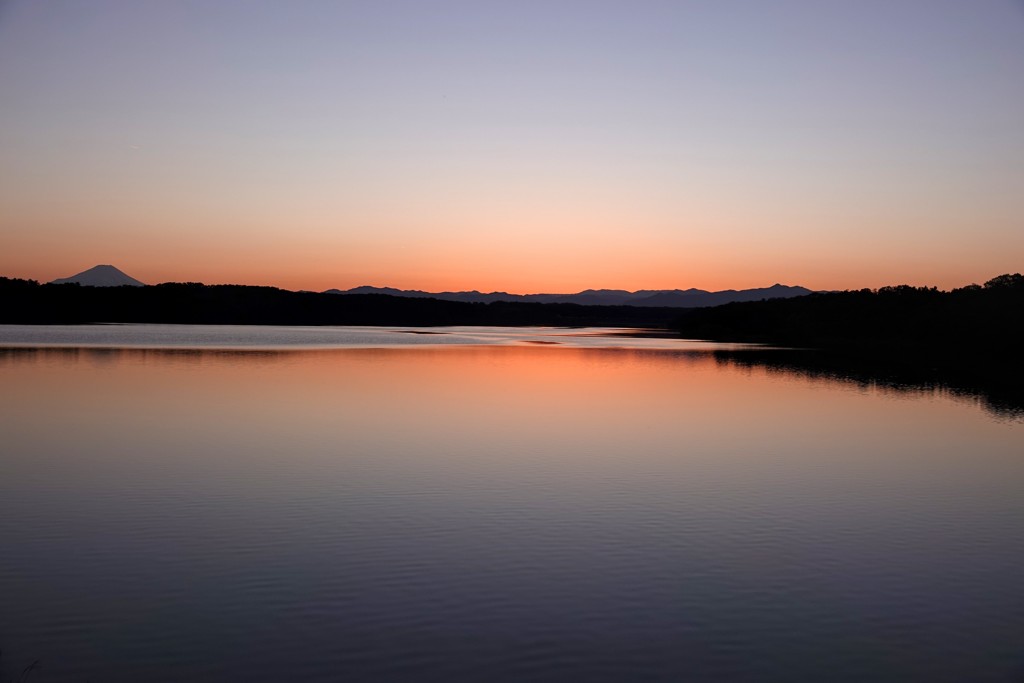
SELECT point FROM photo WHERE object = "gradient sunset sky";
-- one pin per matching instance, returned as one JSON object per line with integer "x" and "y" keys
{"x": 522, "y": 145}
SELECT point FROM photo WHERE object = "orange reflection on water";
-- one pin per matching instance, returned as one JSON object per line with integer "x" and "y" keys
{"x": 466, "y": 402}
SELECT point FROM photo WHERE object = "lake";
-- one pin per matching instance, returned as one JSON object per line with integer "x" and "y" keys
{"x": 185, "y": 503}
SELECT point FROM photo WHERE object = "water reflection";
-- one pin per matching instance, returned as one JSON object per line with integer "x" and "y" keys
{"x": 499, "y": 513}
{"x": 995, "y": 385}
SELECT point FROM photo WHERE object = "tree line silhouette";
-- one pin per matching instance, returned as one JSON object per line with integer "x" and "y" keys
{"x": 28, "y": 302}
{"x": 987, "y": 317}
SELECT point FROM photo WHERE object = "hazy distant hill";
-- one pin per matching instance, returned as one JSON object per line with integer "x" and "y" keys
{"x": 676, "y": 298}
{"x": 100, "y": 276}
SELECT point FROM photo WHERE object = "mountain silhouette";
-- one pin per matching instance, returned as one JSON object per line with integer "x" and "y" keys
{"x": 100, "y": 276}
{"x": 676, "y": 298}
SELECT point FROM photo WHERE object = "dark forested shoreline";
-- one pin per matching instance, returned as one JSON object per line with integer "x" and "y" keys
{"x": 967, "y": 341}
{"x": 919, "y": 321}
{"x": 986, "y": 317}
{"x": 28, "y": 302}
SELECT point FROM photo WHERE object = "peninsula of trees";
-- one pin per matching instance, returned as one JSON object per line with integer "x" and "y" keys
{"x": 986, "y": 319}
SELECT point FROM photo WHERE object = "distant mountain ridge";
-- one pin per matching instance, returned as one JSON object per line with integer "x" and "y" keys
{"x": 109, "y": 276}
{"x": 675, "y": 298}
{"x": 100, "y": 276}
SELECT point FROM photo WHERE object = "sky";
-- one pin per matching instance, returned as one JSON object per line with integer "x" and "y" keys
{"x": 526, "y": 146}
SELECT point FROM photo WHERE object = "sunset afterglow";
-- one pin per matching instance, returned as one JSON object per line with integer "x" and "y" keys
{"x": 524, "y": 147}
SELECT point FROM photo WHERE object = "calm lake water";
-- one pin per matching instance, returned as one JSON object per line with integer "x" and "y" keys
{"x": 375, "y": 504}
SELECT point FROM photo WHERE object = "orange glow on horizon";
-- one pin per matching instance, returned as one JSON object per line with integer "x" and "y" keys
{"x": 626, "y": 151}
{"x": 521, "y": 284}
{"x": 540, "y": 260}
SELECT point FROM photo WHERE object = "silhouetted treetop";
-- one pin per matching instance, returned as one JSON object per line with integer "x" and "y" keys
{"x": 1015, "y": 281}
